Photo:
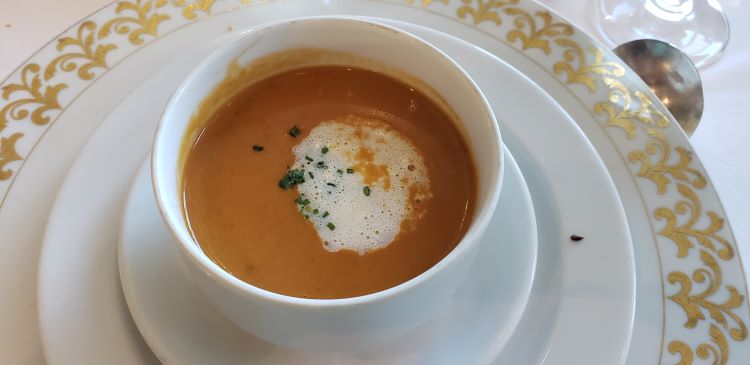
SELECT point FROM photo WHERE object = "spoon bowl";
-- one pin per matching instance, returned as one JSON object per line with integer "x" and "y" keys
{"x": 670, "y": 74}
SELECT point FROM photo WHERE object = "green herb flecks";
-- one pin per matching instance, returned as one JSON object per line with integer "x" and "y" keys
{"x": 311, "y": 174}
{"x": 301, "y": 200}
{"x": 325, "y": 214}
{"x": 340, "y": 171}
{"x": 324, "y": 150}
{"x": 366, "y": 190}
{"x": 257, "y": 148}
{"x": 331, "y": 184}
{"x": 331, "y": 226}
{"x": 292, "y": 178}
{"x": 349, "y": 171}
{"x": 309, "y": 158}
{"x": 321, "y": 165}
{"x": 294, "y": 132}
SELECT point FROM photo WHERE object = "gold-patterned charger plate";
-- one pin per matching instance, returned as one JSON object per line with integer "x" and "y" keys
{"x": 686, "y": 260}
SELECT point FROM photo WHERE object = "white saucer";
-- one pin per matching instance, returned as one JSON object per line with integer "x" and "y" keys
{"x": 578, "y": 289}
{"x": 182, "y": 328}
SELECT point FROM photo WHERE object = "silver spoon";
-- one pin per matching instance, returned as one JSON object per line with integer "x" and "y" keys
{"x": 671, "y": 76}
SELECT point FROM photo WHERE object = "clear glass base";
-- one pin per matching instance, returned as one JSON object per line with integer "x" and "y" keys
{"x": 697, "y": 27}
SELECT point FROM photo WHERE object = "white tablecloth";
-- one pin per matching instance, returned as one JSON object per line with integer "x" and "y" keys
{"x": 722, "y": 140}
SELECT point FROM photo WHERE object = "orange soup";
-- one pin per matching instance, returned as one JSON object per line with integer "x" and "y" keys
{"x": 328, "y": 182}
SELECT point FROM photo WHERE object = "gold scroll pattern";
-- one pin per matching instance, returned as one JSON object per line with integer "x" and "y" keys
{"x": 189, "y": 8}
{"x": 425, "y": 3}
{"x": 8, "y": 153}
{"x": 35, "y": 96}
{"x": 482, "y": 11}
{"x": 32, "y": 99}
{"x": 668, "y": 167}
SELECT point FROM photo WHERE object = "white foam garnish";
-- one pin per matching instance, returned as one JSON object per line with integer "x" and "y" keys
{"x": 383, "y": 161}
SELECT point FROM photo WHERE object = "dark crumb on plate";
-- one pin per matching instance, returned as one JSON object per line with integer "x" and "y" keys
{"x": 576, "y": 237}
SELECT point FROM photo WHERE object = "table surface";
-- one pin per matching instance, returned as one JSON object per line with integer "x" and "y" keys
{"x": 722, "y": 140}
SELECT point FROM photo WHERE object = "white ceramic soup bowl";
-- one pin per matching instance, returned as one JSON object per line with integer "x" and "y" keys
{"x": 330, "y": 324}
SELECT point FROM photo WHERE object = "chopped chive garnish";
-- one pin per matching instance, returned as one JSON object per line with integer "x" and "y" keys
{"x": 308, "y": 158}
{"x": 331, "y": 184}
{"x": 324, "y": 150}
{"x": 292, "y": 178}
{"x": 307, "y": 216}
{"x": 340, "y": 171}
{"x": 298, "y": 175}
{"x": 301, "y": 200}
{"x": 315, "y": 211}
{"x": 257, "y": 148}
{"x": 320, "y": 165}
{"x": 325, "y": 214}
{"x": 349, "y": 171}
{"x": 366, "y": 190}
{"x": 311, "y": 174}
{"x": 294, "y": 132}
{"x": 330, "y": 226}
{"x": 285, "y": 182}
